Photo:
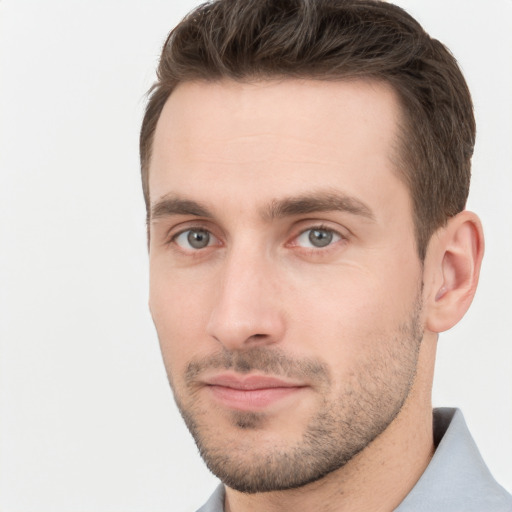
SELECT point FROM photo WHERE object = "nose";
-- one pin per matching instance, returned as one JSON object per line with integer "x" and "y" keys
{"x": 247, "y": 310}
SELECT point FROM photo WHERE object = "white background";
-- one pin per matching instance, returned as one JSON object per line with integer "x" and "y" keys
{"x": 87, "y": 422}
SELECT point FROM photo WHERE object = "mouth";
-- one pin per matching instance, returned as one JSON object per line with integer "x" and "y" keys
{"x": 250, "y": 392}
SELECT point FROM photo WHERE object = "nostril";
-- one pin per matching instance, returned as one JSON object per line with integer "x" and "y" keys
{"x": 257, "y": 337}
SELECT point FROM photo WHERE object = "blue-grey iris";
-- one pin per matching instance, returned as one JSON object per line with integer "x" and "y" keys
{"x": 320, "y": 237}
{"x": 198, "y": 239}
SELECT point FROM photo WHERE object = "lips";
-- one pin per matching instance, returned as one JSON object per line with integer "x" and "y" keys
{"x": 250, "y": 392}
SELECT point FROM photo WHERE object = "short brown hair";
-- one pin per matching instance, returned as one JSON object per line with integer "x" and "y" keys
{"x": 333, "y": 40}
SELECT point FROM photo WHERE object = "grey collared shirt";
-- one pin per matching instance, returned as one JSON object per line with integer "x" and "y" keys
{"x": 456, "y": 480}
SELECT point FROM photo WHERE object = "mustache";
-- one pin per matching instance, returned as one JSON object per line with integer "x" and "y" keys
{"x": 267, "y": 361}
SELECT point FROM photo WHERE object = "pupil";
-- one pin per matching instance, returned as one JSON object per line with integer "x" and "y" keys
{"x": 320, "y": 237}
{"x": 198, "y": 239}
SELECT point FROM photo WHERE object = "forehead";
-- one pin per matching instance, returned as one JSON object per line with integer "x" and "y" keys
{"x": 263, "y": 139}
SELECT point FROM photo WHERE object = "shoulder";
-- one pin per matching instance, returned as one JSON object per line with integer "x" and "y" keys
{"x": 216, "y": 501}
{"x": 457, "y": 478}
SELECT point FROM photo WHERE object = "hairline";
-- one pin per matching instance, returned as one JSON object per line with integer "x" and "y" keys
{"x": 400, "y": 155}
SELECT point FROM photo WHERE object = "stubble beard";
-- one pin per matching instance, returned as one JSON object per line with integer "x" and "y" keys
{"x": 341, "y": 428}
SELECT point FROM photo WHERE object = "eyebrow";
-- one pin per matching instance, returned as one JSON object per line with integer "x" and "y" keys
{"x": 278, "y": 208}
{"x": 317, "y": 202}
{"x": 168, "y": 206}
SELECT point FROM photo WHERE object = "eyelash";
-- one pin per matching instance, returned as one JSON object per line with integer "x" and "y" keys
{"x": 321, "y": 227}
{"x": 196, "y": 229}
{"x": 318, "y": 250}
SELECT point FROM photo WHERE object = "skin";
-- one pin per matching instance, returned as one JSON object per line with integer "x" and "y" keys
{"x": 241, "y": 176}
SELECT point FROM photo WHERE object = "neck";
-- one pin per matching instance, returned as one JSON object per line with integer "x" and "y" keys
{"x": 375, "y": 480}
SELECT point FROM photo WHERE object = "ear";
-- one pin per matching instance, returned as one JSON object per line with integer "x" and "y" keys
{"x": 452, "y": 268}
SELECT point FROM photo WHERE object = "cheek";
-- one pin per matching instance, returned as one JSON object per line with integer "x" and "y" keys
{"x": 344, "y": 310}
{"x": 180, "y": 311}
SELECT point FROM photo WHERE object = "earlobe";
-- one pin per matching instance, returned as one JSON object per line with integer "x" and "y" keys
{"x": 454, "y": 262}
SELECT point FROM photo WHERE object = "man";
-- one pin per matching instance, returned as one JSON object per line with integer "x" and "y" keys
{"x": 305, "y": 168}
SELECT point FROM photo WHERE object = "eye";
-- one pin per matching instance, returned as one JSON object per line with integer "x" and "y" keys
{"x": 194, "y": 239}
{"x": 317, "y": 238}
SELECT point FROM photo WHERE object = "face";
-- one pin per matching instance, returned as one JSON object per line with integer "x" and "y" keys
{"x": 285, "y": 283}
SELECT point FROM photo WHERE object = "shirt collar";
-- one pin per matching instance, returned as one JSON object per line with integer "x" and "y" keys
{"x": 456, "y": 478}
